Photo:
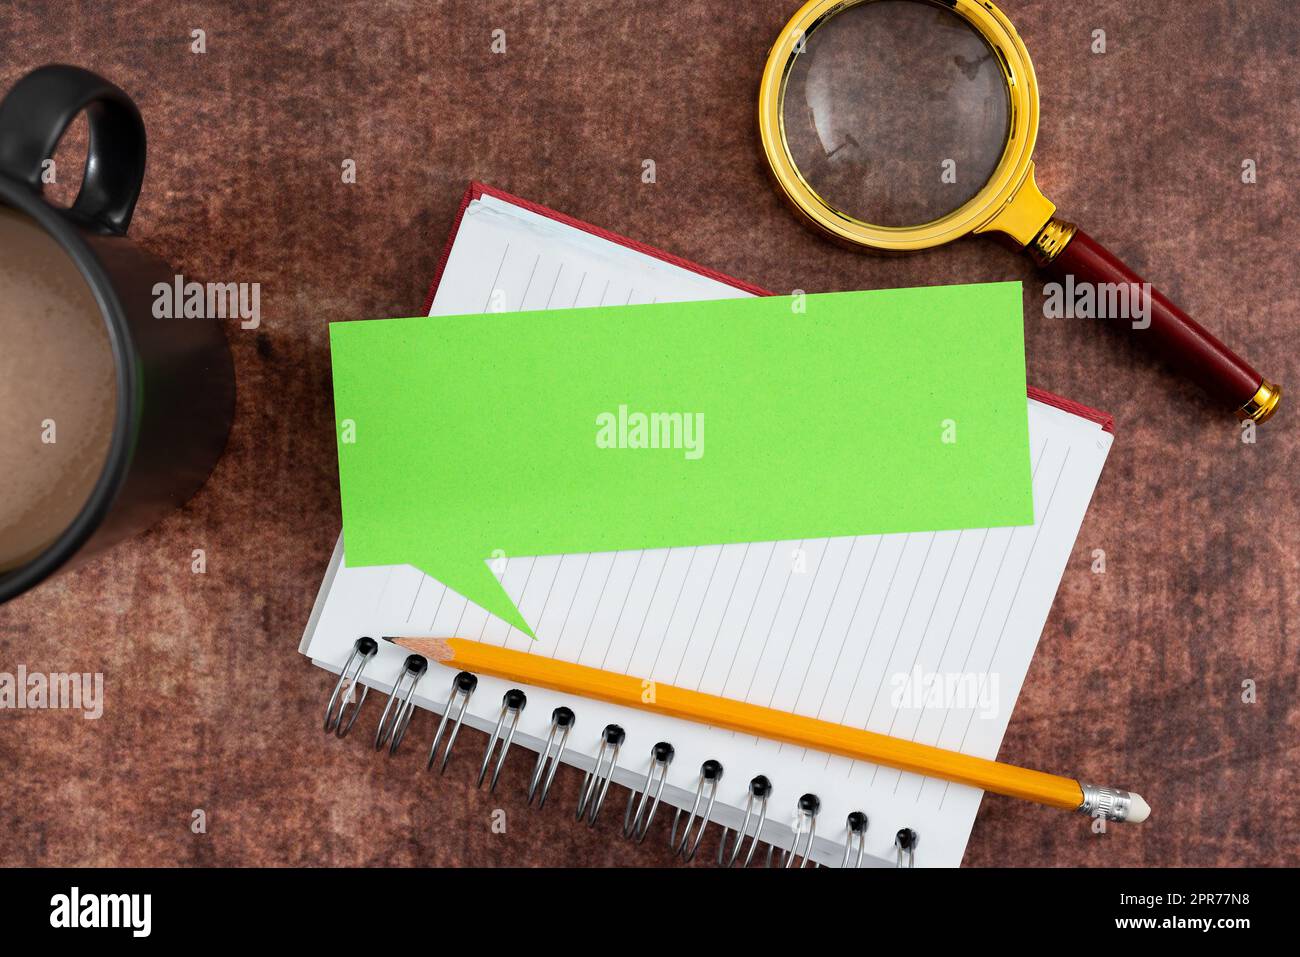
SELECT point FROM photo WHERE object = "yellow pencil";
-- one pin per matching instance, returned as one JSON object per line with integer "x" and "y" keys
{"x": 633, "y": 692}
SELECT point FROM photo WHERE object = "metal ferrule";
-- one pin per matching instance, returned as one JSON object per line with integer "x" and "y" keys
{"x": 1110, "y": 803}
{"x": 1262, "y": 404}
{"x": 1051, "y": 241}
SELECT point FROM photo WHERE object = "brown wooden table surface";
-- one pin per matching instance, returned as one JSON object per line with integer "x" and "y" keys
{"x": 1139, "y": 675}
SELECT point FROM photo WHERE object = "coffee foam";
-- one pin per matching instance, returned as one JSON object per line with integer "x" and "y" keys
{"x": 56, "y": 365}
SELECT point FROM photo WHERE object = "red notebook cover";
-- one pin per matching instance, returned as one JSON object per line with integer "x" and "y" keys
{"x": 477, "y": 189}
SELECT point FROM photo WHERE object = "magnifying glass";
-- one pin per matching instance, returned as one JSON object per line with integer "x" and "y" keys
{"x": 899, "y": 125}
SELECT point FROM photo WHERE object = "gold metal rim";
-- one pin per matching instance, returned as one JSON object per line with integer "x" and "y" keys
{"x": 1004, "y": 203}
{"x": 1262, "y": 404}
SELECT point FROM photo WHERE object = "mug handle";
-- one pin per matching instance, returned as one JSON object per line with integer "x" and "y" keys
{"x": 37, "y": 112}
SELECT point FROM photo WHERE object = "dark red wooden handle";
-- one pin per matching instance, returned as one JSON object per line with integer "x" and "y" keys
{"x": 1172, "y": 334}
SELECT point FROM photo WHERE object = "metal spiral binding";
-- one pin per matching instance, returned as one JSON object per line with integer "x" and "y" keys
{"x": 643, "y": 803}
{"x": 512, "y": 706}
{"x": 362, "y": 651}
{"x": 661, "y": 756}
{"x": 462, "y": 686}
{"x": 413, "y": 670}
{"x": 906, "y": 840}
{"x": 710, "y": 778}
{"x": 809, "y": 805}
{"x": 760, "y": 789}
{"x": 595, "y": 785}
{"x": 857, "y": 825}
{"x": 562, "y": 722}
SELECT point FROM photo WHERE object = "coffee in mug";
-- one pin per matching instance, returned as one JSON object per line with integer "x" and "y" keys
{"x": 57, "y": 389}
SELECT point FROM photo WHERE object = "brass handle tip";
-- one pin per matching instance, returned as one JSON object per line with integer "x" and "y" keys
{"x": 1262, "y": 404}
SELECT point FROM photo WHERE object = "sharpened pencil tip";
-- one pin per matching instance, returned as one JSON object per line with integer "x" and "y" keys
{"x": 435, "y": 649}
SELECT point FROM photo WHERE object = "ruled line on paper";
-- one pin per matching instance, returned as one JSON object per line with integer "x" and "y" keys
{"x": 438, "y": 608}
{"x": 529, "y": 285}
{"x": 388, "y": 577}
{"x": 722, "y": 620}
{"x": 646, "y": 617}
{"x": 622, "y": 608}
{"x": 415, "y": 599}
{"x": 654, "y": 668}
{"x": 695, "y": 622}
{"x": 546, "y": 603}
{"x": 493, "y": 287}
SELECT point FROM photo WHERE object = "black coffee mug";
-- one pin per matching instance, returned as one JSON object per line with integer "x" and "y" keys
{"x": 175, "y": 394}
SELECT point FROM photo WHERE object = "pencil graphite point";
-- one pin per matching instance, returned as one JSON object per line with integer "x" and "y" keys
{"x": 435, "y": 649}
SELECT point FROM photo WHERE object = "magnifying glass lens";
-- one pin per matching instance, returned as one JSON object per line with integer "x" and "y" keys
{"x": 895, "y": 112}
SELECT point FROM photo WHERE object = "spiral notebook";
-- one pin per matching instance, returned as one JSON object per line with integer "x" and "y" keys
{"x": 926, "y": 636}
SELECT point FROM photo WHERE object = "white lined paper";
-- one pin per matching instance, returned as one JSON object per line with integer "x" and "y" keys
{"x": 743, "y": 620}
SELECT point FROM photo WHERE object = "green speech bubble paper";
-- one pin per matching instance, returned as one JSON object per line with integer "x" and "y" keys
{"x": 699, "y": 423}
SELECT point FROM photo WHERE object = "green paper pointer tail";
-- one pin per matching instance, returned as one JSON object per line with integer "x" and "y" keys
{"x": 473, "y": 579}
